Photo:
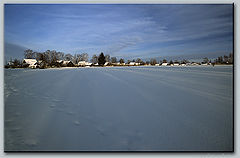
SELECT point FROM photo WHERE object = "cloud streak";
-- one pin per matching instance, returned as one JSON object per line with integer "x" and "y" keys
{"x": 121, "y": 30}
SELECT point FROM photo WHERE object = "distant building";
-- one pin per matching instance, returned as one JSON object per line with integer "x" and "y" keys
{"x": 132, "y": 63}
{"x": 156, "y": 64}
{"x": 88, "y": 64}
{"x": 31, "y": 62}
{"x": 164, "y": 64}
{"x": 10, "y": 63}
{"x": 183, "y": 64}
{"x": 176, "y": 64}
{"x": 193, "y": 63}
{"x": 106, "y": 64}
{"x": 82, "y": 63}
{"x": 60, "y": 61}
{"x": 68, "y": 63}
{"x": 65, "y": 62}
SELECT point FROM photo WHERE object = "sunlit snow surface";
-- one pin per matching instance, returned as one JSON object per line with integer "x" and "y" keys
{"x": 119, "y": 109}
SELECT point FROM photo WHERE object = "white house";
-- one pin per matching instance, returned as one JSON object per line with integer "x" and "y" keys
{"x": 59, "y": 61}
{"x": 88, "y": 64}
{"x": 82, "y": 63}
{"x": 10, "y": 63}
{"x": 132, "y": 63}
{"x": 164, "y": 64}
{"x": 137, "y": 64}
{"x": 65, "y": 62}
{"x": 176, "y": 64}
{"x": 183, "y": 64}
{"x": 106, "y": 63}
{"x": 31, "y": 62}
{"x": 156, "y": 64}
{"x": 193, "y": 63}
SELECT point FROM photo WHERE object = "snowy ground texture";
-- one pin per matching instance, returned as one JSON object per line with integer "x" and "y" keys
{"x": 119, "y": 109}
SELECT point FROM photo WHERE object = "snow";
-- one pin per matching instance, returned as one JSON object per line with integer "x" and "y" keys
{"x": 119, "y": 109}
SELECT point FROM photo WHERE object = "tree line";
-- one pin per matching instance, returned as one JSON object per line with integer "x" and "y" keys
{"x": 52, "y": 58}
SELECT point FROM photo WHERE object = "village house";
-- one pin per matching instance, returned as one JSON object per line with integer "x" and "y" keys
{"x": 68, "y": 63}
{"x": 65, "y": 62}
{"x": 164, "y": 64}
{"x": 10, "y": 63}
{"x": 31, "y": 62}
{"x": 84, "y": 63}
{"x": 176, "y": 64}
{"x": 132, "y": 63}
{"x": 60, "y": 61}
{"x": 194, "y": 63}
{"x": 106, "y": 64}
{"x": 156, "y": 64}
{"x": 88, "y": 64}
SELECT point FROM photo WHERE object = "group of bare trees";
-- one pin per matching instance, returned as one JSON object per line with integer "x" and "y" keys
{"x": 52, "y": 58}
{"x": 224, "y": 59}
{"x": 107, "y": 58}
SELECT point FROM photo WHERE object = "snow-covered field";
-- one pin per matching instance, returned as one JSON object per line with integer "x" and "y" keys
{"x": 119, "y": 108}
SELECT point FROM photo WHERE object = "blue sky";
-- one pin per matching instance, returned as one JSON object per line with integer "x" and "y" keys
{"x": 128, "y": 31}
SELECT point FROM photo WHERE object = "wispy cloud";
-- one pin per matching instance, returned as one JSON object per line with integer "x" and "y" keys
{"x": 121, "y": 30}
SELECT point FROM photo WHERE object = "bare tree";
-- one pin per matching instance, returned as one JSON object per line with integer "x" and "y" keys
{"x": 29, "y": 54}
{"x": 225, "y": 59}
{"x": 184, "y": 61}
{"x": 60, "y": 55}
{"x": 153, "y": 61}
{"x": 74, "y": 60}
{"x": 54, "y": 56}
{"x": 121, "y": 60}
{"x": 84, "y": 56}
{"x": 107, "y": 58}
{"x": 94, "y": 59}
{"x": 230, "y": 58}
{"x": 68, "y": 57}
{"x": 113, "y": 59}
{"x": 205, "y": 60}
{"x": 138, "y": 60}
{"x": 176, "y": 61}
